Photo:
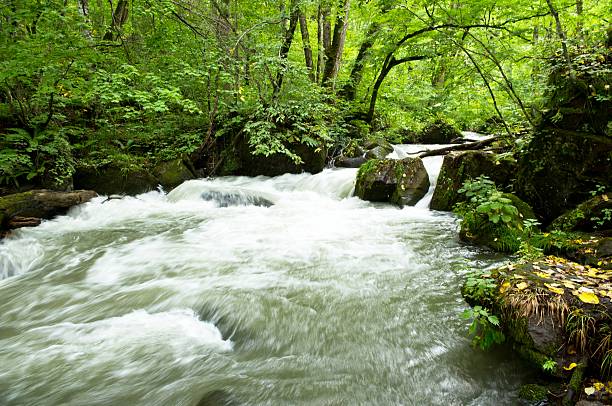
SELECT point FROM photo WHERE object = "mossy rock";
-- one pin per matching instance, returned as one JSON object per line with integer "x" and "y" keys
{"x": 110, "y": 179}
{"x": 533, "y": 392}
{"x": 438, "y": 132}
{"x": 477, "y": 229}
{"x": 459, "y": 166}
{"x": 552, "y": 309}
{"x": 313, "y": 160}
{"x": 594, "y": 214}
{"x": 403, "y": 182}
{"x": 170, "y": 174}
{"x": 560, "y": 168}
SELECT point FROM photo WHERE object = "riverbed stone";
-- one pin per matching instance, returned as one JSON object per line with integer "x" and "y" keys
{"x": 459, "y": 166}
{"x": 402, "y": 182}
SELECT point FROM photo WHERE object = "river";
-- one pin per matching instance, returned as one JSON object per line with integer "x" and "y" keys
{"x": 318, "y": 299}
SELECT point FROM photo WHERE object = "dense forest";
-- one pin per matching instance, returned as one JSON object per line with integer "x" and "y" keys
{"x": 491, "y": 117}
{"x": 86, "y": 85}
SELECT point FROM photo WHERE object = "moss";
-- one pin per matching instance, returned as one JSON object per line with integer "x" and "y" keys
{"x": 533, "y": 392}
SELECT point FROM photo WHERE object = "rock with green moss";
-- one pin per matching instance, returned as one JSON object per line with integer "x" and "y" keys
{"x": 533, "y": 392}
{"x": 476, "y": 228}
{"x": 110, "y": 179}
{"x": 594, "y": 214}
{"x": 570, "y": 153}
{"x": 403, "y": 182}
{"x": 242, "y": 161}
{"x": 555, "y": 312}
{"x": 377, "y": 148}
{"x": 438, "y": 132}
{"x": 170, "y": 174}
{"x": 459, "y": 166}
{"x": 28, "y": 208}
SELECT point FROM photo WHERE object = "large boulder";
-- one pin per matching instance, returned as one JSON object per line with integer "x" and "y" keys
{"x": 377, "y": 148}
{"x": 111, "y": 179}
{"x": 552, "y": 311}
{"x": 243, "y": 161}
{"x": 570, "y": 153}
{"x": 594, "y": 214}
{"x": 476, "y": 228}
{"x": 28, "y": 208}
{"x": 459, "y": 166}
{"x": 403, "y": 182}
{"x": 438, "y": 132}
{"x": 561, "y": 168}
{"x": 172, "y": 173}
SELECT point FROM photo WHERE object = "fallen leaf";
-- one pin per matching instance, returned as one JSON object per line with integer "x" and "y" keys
{"x": 587, "y": 297}
{"x": 558, "y": 291}
{"x": 598, "y": 386}
{"x": 504, "y": 287}
{"x": 542, "y": 274}
{"x": 570, "y": 366}
{"x": 522, "y": 286}
{"x": 589, "y": 391}
{"x": 569, "y": 285}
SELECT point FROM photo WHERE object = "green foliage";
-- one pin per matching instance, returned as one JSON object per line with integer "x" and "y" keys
{"x": 549, "y": 365}
{"x": 485, "y": 328}
{"x": 479, "y": 286}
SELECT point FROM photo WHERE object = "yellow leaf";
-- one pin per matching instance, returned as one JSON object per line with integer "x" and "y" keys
{"x": 516, "y": 276}
{"x": 542, "y": 274}
{"x": 589, "y": 391}
{"x": 569, "y": 285}
{"x": 522, "y": 285}
{"x": 504, "y": 287}
{"x": 570, "y": 366}
{"x": 598, "y": 386}
{"x": 588, "y": 297}
{"x": 604, "y": 197}
{"x": 558, "y": 291}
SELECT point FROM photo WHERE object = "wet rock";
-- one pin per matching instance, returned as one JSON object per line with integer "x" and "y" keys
{"x": 594, "y": 214}
{"x": 459, "y": 166}
{"x": 438, "y": 132}
{"x": 27, "y": 208}
{"x": 346, "y": 162}
{"x": 403, "y": 182}
{"x": 235, "y": 198}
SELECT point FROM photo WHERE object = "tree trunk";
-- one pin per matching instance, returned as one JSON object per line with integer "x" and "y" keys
{"x": 84, "y": 11}
{"x": 561, "y": 35}
{"x": 306, "y": 45}
{"x": 333, "y": 54}
{"x": 389, "y": 63}
{"x": 284, "y": 50}
{"x": 324, "y": 38}
{"x": 119, "y": 17}
{"x": 350, "y": 89}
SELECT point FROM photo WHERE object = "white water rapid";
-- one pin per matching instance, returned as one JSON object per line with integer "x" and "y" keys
{"x": 244, "y": 291}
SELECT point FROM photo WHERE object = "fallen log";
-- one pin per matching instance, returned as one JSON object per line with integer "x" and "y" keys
{"x": 24, "y": 209}
{"x": 462, "y": 147}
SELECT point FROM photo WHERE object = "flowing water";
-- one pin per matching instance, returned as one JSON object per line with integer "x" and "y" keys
{"x": 312, "y": 297}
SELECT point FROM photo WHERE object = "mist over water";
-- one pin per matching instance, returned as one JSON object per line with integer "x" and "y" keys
{"x": 317, "y": 299}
